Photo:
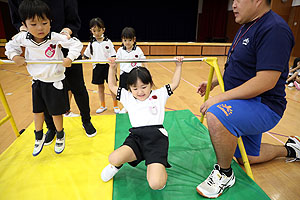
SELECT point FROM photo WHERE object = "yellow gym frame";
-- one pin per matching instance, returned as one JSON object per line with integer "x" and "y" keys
{"x": 211, "y": 61}
{"x": 8, "y": 112}
{"x": 214, "y": 67}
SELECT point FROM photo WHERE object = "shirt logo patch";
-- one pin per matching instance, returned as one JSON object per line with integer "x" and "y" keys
{"x": 246, "y": 41}
{"x": 50, "y": 51}
{"x": 227, "y": 110}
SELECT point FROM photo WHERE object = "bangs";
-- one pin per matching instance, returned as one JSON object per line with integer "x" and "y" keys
{"x": 29, "y": 9}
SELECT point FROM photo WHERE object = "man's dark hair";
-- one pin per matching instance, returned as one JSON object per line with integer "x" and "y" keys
{"x": 28, "y": 9}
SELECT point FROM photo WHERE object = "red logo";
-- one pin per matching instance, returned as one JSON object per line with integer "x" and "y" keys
{"x": 50, "y": 51}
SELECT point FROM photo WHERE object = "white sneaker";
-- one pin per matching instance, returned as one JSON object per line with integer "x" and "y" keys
{"x": 116, "y": 109}
{"x": 70, "y": 114}
{"x": 215, "y": 183}
{"x": 108, "y": 172}
{"x": 291, "y": 84}
{"x": 38, "y": 146}
{"x": 59, "y": 145}
{"x": 123, "y": 111}
{"x": 294, "y": 142}
{"x": 101, "y": 109}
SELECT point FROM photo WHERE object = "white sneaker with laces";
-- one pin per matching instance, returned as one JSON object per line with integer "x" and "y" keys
{"x": 101, "y": 109}
{"x": 108, "y": 172}
{"x": 59, "y": 145}
{"x": 116, "y": 109}
{"x": 38, "y": 146}
{"x": 215, "y": 184}
{"x": 294, "y": 142}
{"x": 70, "y": 114}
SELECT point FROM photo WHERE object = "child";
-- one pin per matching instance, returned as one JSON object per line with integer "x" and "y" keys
{"x": 129, "y": 50}
{"x": 148, "y": 140}
{"x": 294, "y": 73}
{"x": 48, "y": 87}
{"x": 100, "y": 48}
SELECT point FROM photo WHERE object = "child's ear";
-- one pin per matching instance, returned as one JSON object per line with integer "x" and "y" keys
{"x": 103, "y": 30}
{"x": 134, "y": 39}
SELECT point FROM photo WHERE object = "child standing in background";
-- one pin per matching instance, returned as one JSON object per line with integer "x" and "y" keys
{"x": 48, "y": 86}
{"x": 100, "y": 48}
{"x": 129, "y": 50}
{"x": 148, "y": 140}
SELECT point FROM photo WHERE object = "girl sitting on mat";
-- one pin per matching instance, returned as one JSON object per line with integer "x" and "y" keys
{"x": 148, "y": 140}
{"x": 49, "y": 92}
{"x": 100, "y": 48}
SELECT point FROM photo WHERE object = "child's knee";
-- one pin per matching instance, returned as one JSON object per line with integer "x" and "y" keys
{"x": 157, "y": 183}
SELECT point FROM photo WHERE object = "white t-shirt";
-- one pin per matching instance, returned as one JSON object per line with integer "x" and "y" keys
{"x": 101, "y": 50}
{"x": 148, "y": 112}
{"x": 135, "y": 53}
{"x": 49, "y": 49}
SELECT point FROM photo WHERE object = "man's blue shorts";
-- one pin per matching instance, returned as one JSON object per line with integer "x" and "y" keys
{"x": 247, "y": 118}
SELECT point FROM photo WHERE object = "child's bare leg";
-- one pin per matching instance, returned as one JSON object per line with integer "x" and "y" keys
{"x": 58, "y": 122}
{"x": 121, "y": 155}
{"x": 292, "y": 77}
{"x": 156, "y": 175}
{"x": 38, "y": 121}
{"x": 101, "y": 94}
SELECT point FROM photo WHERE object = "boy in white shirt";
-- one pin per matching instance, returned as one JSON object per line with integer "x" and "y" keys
{"x": 48, "y": 88}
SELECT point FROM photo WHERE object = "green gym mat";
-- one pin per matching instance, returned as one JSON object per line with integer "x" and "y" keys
{"x": 192, "y": 158}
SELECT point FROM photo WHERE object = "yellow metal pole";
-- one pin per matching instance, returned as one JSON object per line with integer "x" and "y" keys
{"x": 8, "y": 112}
{"x": 213, "y": 63}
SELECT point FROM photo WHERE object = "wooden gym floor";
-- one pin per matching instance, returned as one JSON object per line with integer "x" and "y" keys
{"x": 280, "y": 180}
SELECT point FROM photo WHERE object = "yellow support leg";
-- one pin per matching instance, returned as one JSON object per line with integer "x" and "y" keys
{"x": 213, "y": 63}
{"x": 8, "y": 112}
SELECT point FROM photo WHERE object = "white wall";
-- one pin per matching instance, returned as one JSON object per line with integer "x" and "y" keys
{"x": 296, "y": 3}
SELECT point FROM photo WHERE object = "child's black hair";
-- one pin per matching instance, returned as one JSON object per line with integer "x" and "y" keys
{"x": 141, "y": 73}
{"x": 29, "y": 9}
{"x": 128, "y": 33}
{"x": 95, "y": 22}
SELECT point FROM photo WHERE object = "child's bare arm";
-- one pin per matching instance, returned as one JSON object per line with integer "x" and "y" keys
{"x": 112, "y": 83}
{"x": 19, "y": 60}
{"x": 177, "y": 74}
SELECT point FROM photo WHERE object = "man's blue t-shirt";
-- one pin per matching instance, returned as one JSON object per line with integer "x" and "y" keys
{"x": 265, "y": 46}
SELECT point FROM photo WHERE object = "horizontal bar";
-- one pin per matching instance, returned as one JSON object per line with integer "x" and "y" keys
{"x": 3, "y": 120}
{"x": 106, "y": 61}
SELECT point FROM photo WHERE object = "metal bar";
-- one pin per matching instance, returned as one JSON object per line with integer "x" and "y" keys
{"x": 106, "y": 61}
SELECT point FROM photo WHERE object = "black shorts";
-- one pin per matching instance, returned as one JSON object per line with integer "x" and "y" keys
{"x": 100, "y": 73}
{"x": 149, "y": 143}
{"x": 46, "y": 97}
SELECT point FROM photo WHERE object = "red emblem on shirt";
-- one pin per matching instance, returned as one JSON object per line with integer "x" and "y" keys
{"x": 50, "y": 51}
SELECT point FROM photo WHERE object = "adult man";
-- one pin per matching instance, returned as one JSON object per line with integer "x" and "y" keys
{"x": 254, "y": 101}
{"x": 65, "y": 20}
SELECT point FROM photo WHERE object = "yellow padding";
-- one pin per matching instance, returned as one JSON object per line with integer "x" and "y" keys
{"x": 74, "y": 174}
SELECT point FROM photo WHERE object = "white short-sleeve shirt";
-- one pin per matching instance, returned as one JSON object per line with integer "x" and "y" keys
{"x": 148, "y": 112}
{"x": 101, "y": 50}
{"x": 135, "y": 53}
